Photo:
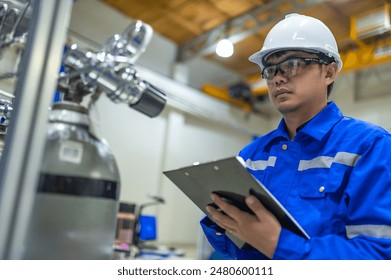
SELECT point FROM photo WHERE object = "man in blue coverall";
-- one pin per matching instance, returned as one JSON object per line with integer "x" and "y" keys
{"x": 330, "y": 171}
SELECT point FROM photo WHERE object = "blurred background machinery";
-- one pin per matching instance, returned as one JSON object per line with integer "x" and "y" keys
{"x": 65, "y": 207}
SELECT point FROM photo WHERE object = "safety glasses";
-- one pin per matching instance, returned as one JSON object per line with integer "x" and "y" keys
{"x": 289, "y": 67}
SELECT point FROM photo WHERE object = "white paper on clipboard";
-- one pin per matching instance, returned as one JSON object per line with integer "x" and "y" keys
{"x": 230, "y": 176}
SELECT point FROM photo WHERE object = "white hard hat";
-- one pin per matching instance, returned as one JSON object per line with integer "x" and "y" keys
{"x": 298, "y": 32}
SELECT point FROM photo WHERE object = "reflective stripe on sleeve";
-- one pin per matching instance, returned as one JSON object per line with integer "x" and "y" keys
{"x": 379, "y": 231}
{"x": 344, "y": 158}
{"x": 261, "y": 164}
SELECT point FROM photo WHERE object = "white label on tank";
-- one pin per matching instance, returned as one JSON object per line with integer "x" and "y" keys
{"x": 71, "y": 151}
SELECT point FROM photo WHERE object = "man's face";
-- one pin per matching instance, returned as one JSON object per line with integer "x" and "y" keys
{"x": 297, "y": 86}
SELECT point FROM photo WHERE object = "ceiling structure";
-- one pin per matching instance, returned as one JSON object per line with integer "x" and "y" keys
{"x": 361, "y": 28}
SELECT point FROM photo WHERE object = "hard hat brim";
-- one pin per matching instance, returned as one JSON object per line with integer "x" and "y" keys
{"x": 261, "y": 56}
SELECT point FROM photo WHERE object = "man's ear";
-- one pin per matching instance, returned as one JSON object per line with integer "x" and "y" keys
{"x": 331, "y": 72}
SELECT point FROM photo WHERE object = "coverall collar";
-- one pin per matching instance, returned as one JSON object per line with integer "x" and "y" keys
{"x": 317, "y": 127}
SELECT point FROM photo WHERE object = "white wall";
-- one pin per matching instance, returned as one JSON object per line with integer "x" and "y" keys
{"x": 191, "y": 140}
{"x": 137, "y": 142}
{"x": 201, "y": 70}
{"x": 374, "y": 108}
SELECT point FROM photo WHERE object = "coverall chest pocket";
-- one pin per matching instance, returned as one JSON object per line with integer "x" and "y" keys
{"x": 321, "y": 200}
{"x": 320, "y": 183}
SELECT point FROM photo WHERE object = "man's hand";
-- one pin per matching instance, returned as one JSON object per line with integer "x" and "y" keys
{"x": 261, "y": 230}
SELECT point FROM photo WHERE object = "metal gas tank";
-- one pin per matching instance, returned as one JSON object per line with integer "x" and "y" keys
{"x": 75, "y": 211}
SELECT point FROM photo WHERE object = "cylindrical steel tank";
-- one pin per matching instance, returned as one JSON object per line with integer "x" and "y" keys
{"x": 75, "y": 211}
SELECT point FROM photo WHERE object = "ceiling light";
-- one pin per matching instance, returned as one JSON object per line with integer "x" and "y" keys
{"x": 224, "y": 48}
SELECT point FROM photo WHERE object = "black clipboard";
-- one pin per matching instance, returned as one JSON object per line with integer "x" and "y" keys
{"x": 229, "y": 177}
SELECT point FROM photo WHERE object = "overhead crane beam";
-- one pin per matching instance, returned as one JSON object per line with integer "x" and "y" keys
{"x": 366, "y": 56}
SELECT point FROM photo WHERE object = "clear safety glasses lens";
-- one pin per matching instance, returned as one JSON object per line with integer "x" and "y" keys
{"x": 289, "y": 67}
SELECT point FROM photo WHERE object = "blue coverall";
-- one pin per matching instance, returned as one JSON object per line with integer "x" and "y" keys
{"x": 334, "y": 177}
